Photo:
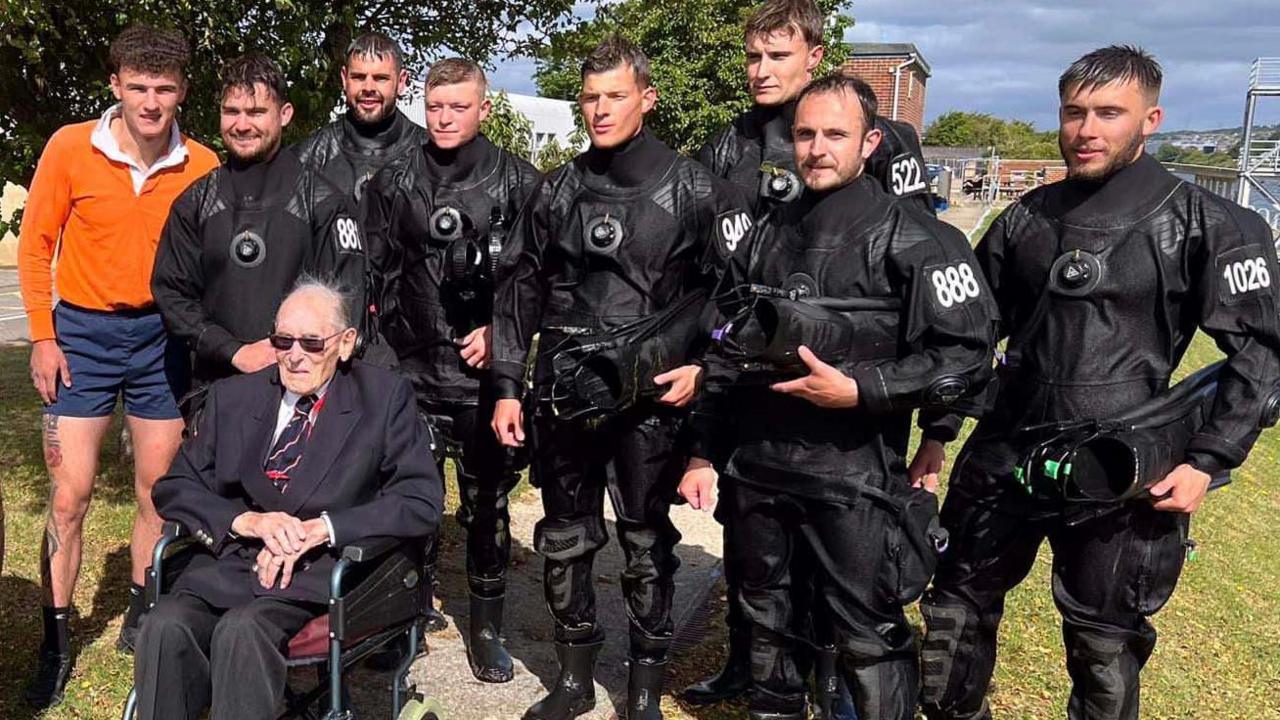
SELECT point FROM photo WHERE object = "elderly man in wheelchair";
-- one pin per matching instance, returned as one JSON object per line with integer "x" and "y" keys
{"x": 303, "y": 491}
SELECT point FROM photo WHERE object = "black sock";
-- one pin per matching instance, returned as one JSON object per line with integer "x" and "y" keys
{"x": 57, "y": 636}
{"x": 137, "y": 605}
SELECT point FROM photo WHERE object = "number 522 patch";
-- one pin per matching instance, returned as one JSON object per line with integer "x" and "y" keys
{"x": 1242, "y": 272}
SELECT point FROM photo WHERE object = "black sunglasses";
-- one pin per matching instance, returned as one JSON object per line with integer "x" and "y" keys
{"x": 309, "y": 344}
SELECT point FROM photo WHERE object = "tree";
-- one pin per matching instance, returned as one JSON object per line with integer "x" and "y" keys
{"x": 1010, "y": 138}
{"x": 507, "y": 128}
{"x": 695, "y": 48}
{"x": 56, "y": 62}
{"x": 513, "y": 132}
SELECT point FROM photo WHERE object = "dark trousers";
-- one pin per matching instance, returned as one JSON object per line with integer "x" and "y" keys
{"x": 637, "y": 459}
{"x": 486, "y": 473}
{"x": 787, "y": 544}
{"x": 1109, "y": 574}
{"x": 191, "y": 655}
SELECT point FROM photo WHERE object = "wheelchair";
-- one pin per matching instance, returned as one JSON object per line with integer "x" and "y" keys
{"x": 376, "y": 598}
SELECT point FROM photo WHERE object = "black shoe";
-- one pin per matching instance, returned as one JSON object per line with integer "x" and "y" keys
{"x": 732, "y": 681}
{"x": 435, "y": 620}
{"x": 47, "y": 687}
{"x": 127, "y": 640}
{"x": 575, "y": 690}
{"x": 831, "y": 699}
{"x": 644, "y": 689}
{"x": 490, "y": 661}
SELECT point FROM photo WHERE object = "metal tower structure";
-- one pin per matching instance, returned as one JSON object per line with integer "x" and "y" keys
{"x": 1259, "y": 159}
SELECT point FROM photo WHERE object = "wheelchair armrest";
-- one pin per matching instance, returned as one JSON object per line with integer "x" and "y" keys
{"x": 388, "y": 588}
{"x": 170, "y": 533}
{"x": 370, "y": 549}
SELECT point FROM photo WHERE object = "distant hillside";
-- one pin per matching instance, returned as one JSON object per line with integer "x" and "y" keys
{"x": 1235, "y": 131}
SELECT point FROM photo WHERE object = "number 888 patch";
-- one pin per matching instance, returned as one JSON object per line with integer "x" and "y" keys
{"x": 951, "y": 285}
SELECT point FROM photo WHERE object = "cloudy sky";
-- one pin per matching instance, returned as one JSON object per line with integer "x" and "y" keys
{"x": 1003, "y": 56}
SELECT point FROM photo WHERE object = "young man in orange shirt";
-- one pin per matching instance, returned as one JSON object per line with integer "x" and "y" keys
{"x": 104, "y": 188}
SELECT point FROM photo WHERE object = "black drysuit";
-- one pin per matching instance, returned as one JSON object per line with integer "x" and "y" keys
{"x": 427, "y": 308}
{"x": 1101, "y": 287}
{"x": 567, "y": 283}
{"x": 235, "y": 243}
{"x": 753, "y": 150}
{"x": 762, "y": 136}
{"x": 350, "y": 153}
{"x": 898, "y": 163}
{"x": 820, "y": 488}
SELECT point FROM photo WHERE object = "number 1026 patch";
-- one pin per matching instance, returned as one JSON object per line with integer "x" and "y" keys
{"x": 1242, "y": 272}
{"x": 951, "y": 285}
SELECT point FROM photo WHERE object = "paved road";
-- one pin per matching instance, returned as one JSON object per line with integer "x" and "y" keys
{"x": 13, "y": 321}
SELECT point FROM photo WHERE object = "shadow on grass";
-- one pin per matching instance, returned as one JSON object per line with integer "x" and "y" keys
{"x": 19, "y": 639}
{"x": 110, "y": 598}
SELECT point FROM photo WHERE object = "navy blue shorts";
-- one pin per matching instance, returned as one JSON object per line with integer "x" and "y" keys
{"x": 118, "y": 353}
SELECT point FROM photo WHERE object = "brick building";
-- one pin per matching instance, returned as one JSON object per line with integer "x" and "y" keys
{"x": 899, "y": 75}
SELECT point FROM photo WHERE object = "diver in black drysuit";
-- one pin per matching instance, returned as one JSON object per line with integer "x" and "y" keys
{"x": 755, "y": 152}
{"x": 817, "y": 491}
{"x": 430, "y": 215}
{"x": 349, "y": 153}
{"x": 614, "y": 236}
{"x": 1101, "y": 287}
{"x": 235, "y": 243}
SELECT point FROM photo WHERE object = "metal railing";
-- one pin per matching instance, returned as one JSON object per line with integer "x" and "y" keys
{"x": 1264, "y": 156}
{"x": 1265, "y": 74}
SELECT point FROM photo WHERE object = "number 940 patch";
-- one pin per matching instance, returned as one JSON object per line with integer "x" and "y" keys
{"x": 951, "y": 285}
{"x": 1241, "y": 273}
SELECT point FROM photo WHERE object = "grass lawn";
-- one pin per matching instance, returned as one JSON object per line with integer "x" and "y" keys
{"x": 1218, "y": 656}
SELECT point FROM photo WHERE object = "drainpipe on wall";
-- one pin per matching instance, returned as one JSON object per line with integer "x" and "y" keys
{"x": 897, "y": 77}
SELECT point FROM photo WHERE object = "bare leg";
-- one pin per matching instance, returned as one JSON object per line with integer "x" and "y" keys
{"x": 71, "y": 447}
{"x": 154, "y": 444}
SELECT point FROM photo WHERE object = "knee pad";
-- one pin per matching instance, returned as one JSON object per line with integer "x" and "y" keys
{"x": 477, "y": 501}
{"x": 647, "y": 581}
{"x": 946, "y": 625}
{"x": 564, "y": 541}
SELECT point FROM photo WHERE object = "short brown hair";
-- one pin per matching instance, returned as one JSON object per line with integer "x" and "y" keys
{"x": 377, "y": 46}
{"x": 786, "y": 16}
{"x": 838, "y": 82}
{"x": 150, "y": 50}
{"x": 455, "y": 70}
{"x": 1114, "y": 63}
{"x": 615, "y": 51}
{"x": 249, "y": 70}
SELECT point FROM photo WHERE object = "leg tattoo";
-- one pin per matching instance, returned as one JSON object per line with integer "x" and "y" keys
{"x": 52, "y": 444}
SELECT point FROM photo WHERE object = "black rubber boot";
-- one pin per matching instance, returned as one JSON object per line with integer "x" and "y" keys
{"x": 575, "y": 690}
{"x": 831, "y": 699}
{"x": 490, "y": 661}
{"x": 53, "y": 670}
{"x": 734, "y": 678}
{"x": 767, "y": 705}
{"x": 644, "y": 689}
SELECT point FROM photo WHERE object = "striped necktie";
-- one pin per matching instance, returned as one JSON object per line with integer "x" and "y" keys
{"x": 287, "y": 451}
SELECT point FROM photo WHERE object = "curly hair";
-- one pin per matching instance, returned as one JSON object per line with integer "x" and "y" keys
{"x": 150, "y": 50}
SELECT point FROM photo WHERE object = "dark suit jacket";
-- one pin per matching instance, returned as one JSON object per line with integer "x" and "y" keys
{"x": 367, "y": 463}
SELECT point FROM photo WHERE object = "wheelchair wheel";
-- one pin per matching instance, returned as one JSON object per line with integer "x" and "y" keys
{"x": 422, "y": 709}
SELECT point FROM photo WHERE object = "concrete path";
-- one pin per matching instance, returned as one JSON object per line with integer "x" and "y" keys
{"x": 444, "y": 672}
{"x": 13, "y": 320}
